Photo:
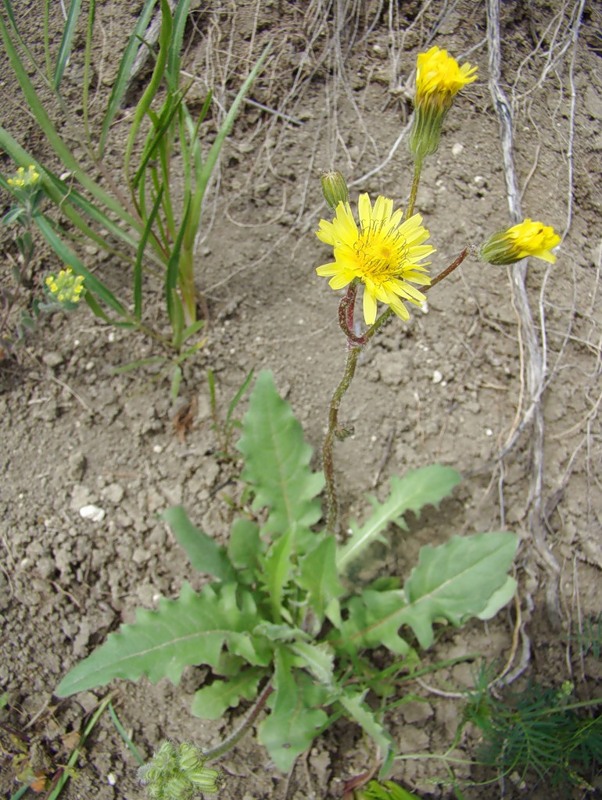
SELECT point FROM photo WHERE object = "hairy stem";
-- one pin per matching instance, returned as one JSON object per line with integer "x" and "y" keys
{"x": 237, "y": 735}
{"x": 414, "y": 189}
{"x": 333, "y": 430}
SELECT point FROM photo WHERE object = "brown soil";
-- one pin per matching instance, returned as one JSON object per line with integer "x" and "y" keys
{"x": 450, "y": 386}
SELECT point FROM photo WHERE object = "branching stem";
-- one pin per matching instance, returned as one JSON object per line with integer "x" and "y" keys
{"x": 355, "y": 345}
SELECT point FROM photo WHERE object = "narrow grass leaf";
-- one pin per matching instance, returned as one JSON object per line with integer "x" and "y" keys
{"x": 66, "y": 42}
{"x": 125, "y": 68}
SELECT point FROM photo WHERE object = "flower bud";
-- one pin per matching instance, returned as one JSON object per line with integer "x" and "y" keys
{"x": 334, "y": 188}
{"x": 439, "y": 78}
{"x": 526, "y": 239}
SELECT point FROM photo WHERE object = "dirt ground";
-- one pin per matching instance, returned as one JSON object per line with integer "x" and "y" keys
{"x": 450, "y": 386}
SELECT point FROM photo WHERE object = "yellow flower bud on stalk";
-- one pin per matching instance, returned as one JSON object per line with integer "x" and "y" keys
{"x": 439, "y": 78}
{"x": 334, "y": 188}
{"x": 526, "y": 239}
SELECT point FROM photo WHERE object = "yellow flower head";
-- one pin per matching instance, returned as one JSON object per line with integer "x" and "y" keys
{"x": 66, "y": 287}
{"x": 528, "y": 238}
{"x": 24, "y": 178}
{"x": 439, "y": 78}
{"x": 383, "y": 252}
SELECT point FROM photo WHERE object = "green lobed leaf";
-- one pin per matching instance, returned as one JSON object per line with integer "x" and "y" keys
{"x": 292, "y": 724}
{"x": 212, "y": 701}
{"x": 204, "y": 553}
{"x": 456, "y": 580}
{"x": 192, "y": 629}
{"x": 319, "y": 577}
{"x": 372, "y": 620}
{"x": 277, "y": 568}
{"x": 318, "y": 659}
{"x": 357, "y": 709}
{"x": 277, "y": 463}
{"x": 420, "y": 487}
{"x": 499, "y": 599}
{"x": 244, "y": 545}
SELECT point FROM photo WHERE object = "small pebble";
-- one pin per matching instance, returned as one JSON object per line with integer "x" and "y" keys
{"x": 93, "y": 513}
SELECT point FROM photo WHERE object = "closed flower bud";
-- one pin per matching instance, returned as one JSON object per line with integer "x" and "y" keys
{"x": 526, "y": 239}
{"x": 334, "y": 188}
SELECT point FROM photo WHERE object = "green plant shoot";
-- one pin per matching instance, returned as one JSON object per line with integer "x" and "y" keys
{"x": 281, "y": 622}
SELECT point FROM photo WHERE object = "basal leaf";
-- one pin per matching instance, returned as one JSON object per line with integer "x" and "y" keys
{"x": 277, "y": 463}
{"x": 355, "y": 707}
{"x": 204, "y": 553}
{"x": 499, "y": 599}
{"x": 292, "y": 724}
{"x": 456, "y": 580}
{"x": 277, "y": 567}
{"x": 421, "y": 487}
{"x": 245, "y": 546}
{"x": 372, "y": 620}
{"x": 318, "y": 659}
{"x": 192, "y": 629}
{"x": 319, "y": 576}
{"x": 212, "y": 701}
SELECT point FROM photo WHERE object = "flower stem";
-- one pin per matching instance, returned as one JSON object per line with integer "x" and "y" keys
{"x": 334, "y": 431}
{"x": 237, "y": 735}
{"x": 414, "y": 189}
{"x": 448, "y": 270}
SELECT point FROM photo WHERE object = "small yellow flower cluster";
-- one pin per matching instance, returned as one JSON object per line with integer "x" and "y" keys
{"x": 25, "y": 178}
{"x": 528, "y": 238}
{"x": 66, "y": 287}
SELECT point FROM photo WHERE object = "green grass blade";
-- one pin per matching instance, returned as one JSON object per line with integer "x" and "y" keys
{"x": 125, "y": 68}
{"x": 124, "y": 735}
{"x": 204, "y": 173}
{"x": 66, "y": 42}
{"x": 87, "y": 68}
{"x": 238, "y": 396}
{"x": 153, "y": 86}
{"x": 13, "y": 23}
{"x": 54, "y": 139}
{"x": 140, "y": 256}
{"x": 172, "y": 72}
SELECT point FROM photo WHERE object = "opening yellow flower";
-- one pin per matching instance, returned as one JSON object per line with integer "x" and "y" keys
{"x": 439, "y": 77}
{"x": 526, "y": 239}
{"x": 384, "y": 253}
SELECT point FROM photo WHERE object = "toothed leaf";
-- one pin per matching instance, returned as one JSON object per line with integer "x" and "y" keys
{"x": 456, "y": 580}
{"x": 212, "y": 701}
{"x": 319, "y": 576}
{"x": 421, "y": 487}
{"x": 292, "y": 724}
{"x": 277, "y": 464}
{"x": 192, "y": 629}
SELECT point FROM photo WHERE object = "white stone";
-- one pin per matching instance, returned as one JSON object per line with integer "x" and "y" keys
{"x": 93, "y": 513}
